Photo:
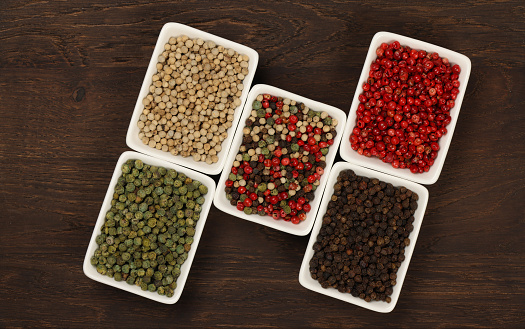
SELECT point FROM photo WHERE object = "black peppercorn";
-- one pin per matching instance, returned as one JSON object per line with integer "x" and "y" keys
{"x": 364, "y": 249}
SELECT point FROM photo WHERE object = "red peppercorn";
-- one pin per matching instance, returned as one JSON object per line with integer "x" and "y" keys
{"x": 307, "y": 207}
{"x": 265, "y": 104}
{"x": 241, "y": 189}
{"x": 247, "y": 202}
{"x": 311, "y": 179}
{"x": 285, "y": 161}
{"x": 240, "y": 206}
{"x": 413, "y": 93}
{"x": 229, "y": 183}
{"x": 319, "y": 170}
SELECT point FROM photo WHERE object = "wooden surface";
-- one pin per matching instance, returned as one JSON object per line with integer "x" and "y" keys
{"x": 70, "y": 72}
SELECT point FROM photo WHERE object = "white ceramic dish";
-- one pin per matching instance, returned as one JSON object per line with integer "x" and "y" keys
{"x": 90, "y": 270}
{"x": 305, "y": 226}
{"x": 174, "y": 30}
{"x": 304, "y": 274}
{"x": 432, "y": 175}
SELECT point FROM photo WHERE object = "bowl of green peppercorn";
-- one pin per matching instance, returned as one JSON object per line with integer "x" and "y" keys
{"x": 149, "y": 227}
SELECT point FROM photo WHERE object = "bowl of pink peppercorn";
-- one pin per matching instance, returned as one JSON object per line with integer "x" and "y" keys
{"x": 405, "y": 107}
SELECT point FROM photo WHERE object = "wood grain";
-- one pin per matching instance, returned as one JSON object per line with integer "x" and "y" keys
{"x": 70, "y": 72}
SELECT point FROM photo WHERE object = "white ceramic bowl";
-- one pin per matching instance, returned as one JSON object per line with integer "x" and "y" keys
{"x": 305, "y": 226}
{"x": 90, "y": 270}
{"x": 304, "y": 274}
{"x": 174, "y": 30}
{"x": 432, "y": 175}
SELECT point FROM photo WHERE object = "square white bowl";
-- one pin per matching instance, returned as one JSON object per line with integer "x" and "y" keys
{"x": 174, "y": 30}
{"x": 304, "y": 227}
{"x": 304, "y": 274}
{"x": 90, "y": 270}
{"x": 432, "y": 175}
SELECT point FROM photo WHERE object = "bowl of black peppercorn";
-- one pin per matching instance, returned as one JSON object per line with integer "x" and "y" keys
{"x": 363, "y": 237}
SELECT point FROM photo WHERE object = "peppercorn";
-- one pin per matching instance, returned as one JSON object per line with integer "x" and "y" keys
{"x": 358, "y": 250}
{"x": 192, "y": 98}
{"x": 281, "y": 149}
{"x": 129, "y": 246}
{"x": 402, "y": 114}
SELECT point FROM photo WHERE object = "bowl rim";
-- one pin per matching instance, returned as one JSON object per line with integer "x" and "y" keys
{"x": 304, "y": 227}
{"x": 176, "y": 29}
{"x": 90, "y": 271}
{"x": 304, "y": 273}
{"x": 433, "y": 174}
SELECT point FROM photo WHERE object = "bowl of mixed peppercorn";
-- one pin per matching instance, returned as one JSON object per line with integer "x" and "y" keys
{"x": 280, "y": 159}
{"x": 405, "y": 107}
{"x": 149, "y": 226}
{"x": 364, "y": 237}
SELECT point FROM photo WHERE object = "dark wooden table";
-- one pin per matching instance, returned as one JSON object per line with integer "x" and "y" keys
{"x": 70, "y": 73}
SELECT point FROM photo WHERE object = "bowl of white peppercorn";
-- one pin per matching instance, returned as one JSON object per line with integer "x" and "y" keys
{"x": 191, "y": 98}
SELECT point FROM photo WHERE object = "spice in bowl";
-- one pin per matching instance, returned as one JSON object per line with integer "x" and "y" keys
{"x": 405, "y": 107}
{"x": 192, "y": 98}
{"x": 149, "y": 229}
{"x": 361, "y": 243}
{"x": 281, "y": 159}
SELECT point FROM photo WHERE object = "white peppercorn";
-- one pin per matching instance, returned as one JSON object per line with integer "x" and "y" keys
{"x": 192, "y": 98}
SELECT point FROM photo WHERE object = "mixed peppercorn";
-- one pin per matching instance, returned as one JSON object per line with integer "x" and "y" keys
{"x": 281, "y": 159}
{"x": 405, "y": 107}
{"x": 361, "y": 243}
{"x": 149, "y": 229}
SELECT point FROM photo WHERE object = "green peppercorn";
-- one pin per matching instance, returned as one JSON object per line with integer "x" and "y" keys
{"x": 149, "y": 229}
{"x": 256, "y": 105}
